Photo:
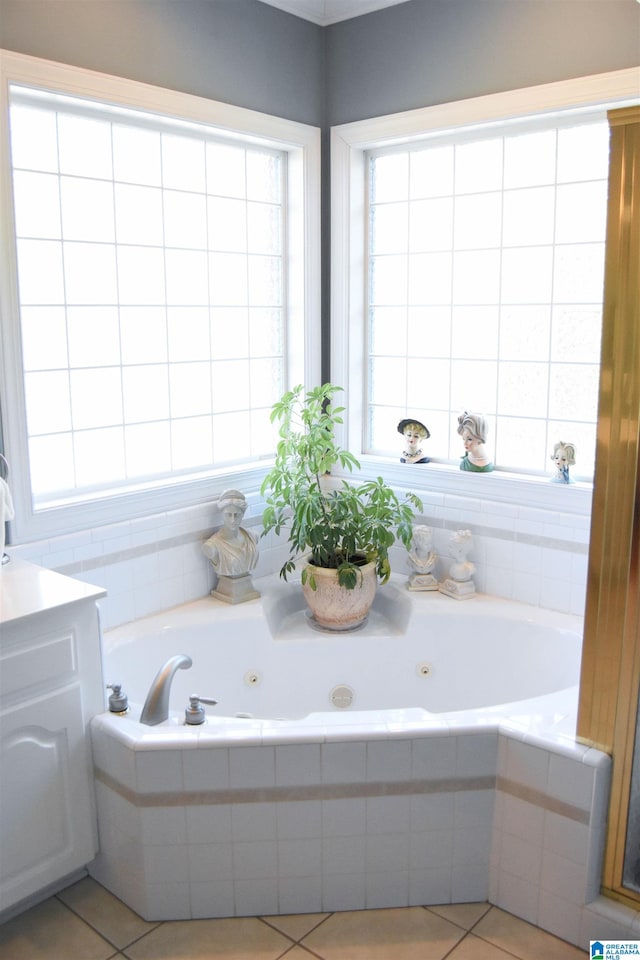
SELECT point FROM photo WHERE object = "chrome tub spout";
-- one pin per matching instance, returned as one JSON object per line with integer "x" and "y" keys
{"x": 156, "y": 706}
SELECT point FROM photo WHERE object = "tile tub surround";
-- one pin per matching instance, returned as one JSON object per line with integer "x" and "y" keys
{"x": 534, "y": 552}
{"x": 346, "y": 822}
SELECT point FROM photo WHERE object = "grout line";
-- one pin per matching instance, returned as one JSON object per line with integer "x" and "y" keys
{"x": 456, "y": 944}
{"x": 526, "y": 923}
{"x": 157, "y": 923}
{"x": 288, "y": 935}
{"x": 79, "y": 916}
{"x": 272, "y": 926}
{"x": 300, "y": 946}
{"x": 481, "y": 917}
{"x": 495, "y": 946}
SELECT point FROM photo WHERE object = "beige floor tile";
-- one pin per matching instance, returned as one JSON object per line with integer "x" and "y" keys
{"x": 464, "y": 914}
{"x": 296, "y": 925}
{"x": 473, "y": 948}
{"x": 524, "y": 940}
{"x": 106, "y": 914}
{"x": 242, "y": 938}
{"x": 299, "y": 953}
{"x": 50, "y": 931}
{"x": 400, "y": 934}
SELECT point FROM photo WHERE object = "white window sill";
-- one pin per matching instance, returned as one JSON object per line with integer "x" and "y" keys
{"x": 501, "y": 487}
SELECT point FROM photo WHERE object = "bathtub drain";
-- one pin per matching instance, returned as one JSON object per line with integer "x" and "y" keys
{"x": 342, "y": 696}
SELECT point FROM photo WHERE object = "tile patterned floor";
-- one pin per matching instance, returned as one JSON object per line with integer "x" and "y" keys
{"x": 85, "y": 922}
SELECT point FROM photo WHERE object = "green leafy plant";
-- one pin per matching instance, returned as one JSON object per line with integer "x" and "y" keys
{"x": 342, "y": 528}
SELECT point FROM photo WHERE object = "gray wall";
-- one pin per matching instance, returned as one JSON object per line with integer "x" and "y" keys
{"x": 237, "y": 51}
{"x": 251, "y": 54}
{"x": 426, "y": 52}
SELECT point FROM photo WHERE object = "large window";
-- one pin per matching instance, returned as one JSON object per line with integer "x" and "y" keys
{"x": 467, "y": 268}
{"x": 156, "y": 295}
{"x": 485, "y": 276}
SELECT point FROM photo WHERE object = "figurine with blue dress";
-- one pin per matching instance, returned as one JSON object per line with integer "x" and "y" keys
{"x": 564, "y": 456}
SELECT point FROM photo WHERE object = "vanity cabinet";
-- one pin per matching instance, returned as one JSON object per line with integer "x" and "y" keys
{"x": 51, "y": 684}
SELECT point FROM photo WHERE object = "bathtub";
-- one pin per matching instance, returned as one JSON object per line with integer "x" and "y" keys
{"x": 418, "y": 652}
{"x": 396, "y": 765}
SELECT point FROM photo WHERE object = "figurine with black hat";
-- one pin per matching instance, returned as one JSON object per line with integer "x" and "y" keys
{"x": 414, "y": 432}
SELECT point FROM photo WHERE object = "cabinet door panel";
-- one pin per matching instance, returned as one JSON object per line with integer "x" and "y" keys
{"x": 46, "y": 807}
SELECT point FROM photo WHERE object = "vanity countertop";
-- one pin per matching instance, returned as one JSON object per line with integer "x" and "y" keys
{"x": 27, "y": 589}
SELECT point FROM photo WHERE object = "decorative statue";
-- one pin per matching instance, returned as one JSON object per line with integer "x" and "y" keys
{"x": 413, "y": 432}
{"x": 232, "y": 551}
{"x": 459, "y": 584}
{"x": 473, "y": 429}
{"x": 422, "y": 559}
{"x": 564, "y": 456}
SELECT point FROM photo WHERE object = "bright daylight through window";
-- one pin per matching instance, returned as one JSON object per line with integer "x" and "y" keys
{"x": 485, "y": 279}
{"x": 151, "y": 275}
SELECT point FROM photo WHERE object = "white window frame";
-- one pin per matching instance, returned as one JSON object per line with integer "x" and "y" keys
{"x": 302, "y": 145}
{"x": 349, "y": 145}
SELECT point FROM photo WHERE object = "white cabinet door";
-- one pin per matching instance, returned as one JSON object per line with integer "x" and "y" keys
{"x": 46, "y": 810}
{"x": 50, "y": 687}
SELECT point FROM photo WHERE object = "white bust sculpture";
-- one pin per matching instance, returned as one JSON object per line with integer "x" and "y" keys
{"x": 422, "y": 559}
{"x": 460, "y": 543}
{"x": 459, "y": 584}
{"x": 232, "y": 550}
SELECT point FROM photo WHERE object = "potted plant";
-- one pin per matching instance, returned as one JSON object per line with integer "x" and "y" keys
{"x": 345, "y": 529}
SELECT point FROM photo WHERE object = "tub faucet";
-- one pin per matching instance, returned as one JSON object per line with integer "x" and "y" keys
{"x": 156, "y": 706}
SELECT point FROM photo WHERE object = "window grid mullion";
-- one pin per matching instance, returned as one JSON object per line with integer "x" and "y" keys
{"x": 505, "y": 421}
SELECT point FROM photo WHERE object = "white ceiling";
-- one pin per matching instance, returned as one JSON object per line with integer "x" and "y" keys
{"x": 324, "y": 12}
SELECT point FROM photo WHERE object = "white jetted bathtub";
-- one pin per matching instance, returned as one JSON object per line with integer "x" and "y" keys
{"x": 417, "y": 651}
{"x": 382, "y": 767}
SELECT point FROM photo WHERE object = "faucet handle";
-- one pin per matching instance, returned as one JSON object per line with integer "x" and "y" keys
{"x": 194, "y": 714}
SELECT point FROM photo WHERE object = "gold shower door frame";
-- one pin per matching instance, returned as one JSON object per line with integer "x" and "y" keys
{"x": 610, "y": 675}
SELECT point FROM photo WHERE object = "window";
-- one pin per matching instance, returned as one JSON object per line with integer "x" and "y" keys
{"x": 468, "y": 254}
{"x": 485, "y": 275}
{"x": 158, "y": 295}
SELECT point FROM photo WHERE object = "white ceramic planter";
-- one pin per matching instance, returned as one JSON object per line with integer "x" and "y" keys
{"x": 333, "y": 606}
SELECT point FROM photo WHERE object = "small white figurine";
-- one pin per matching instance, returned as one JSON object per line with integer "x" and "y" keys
{"x": 473, "y": 429}
{"x": 459, "y": 584}
{"x": 564, "y": 456}
{"x": 232, "y": 551}
{"x": 422, "y": 560}
{"x": 413, "y": 432}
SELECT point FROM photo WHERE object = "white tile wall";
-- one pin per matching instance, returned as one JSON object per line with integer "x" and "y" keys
{"x": 530, "y": 554}
{"x": 546, "y": 862}
{"x": 231, "y": 852}
{"x": 532, "y": 844}
{"x": 371, "y": 850}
